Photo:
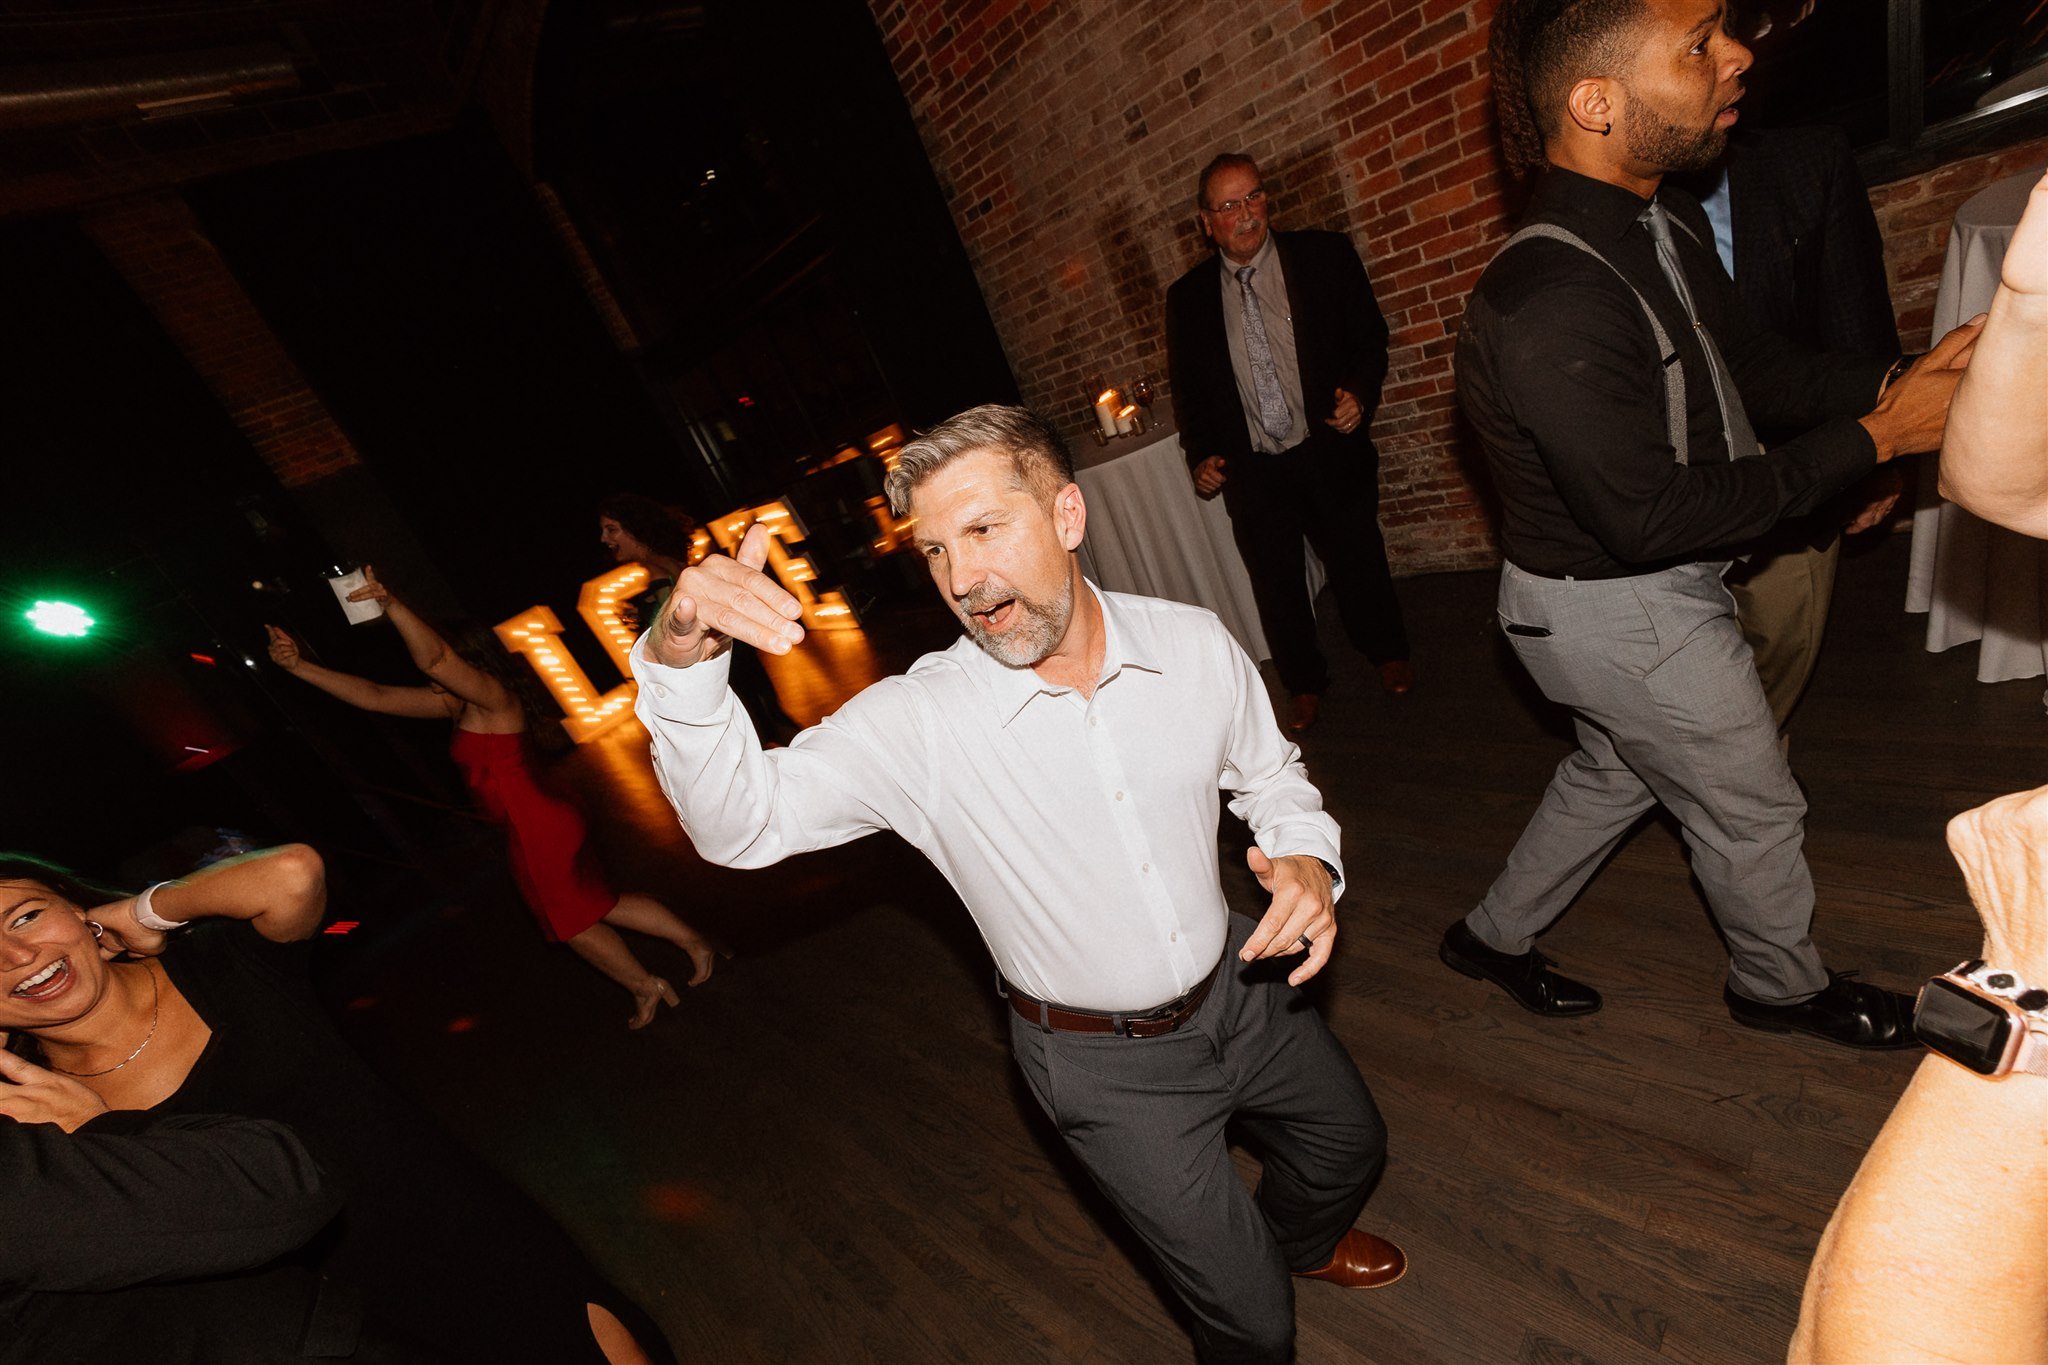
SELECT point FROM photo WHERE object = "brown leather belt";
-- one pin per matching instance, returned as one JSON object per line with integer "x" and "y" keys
{"x": 1150, "y": 1023}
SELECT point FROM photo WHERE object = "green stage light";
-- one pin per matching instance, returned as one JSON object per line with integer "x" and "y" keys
{"x": 65, "y": 619}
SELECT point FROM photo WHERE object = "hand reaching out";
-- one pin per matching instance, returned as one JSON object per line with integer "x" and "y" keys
{"x": 1912, "y": 413}
{"x": 284, "y": 650}
{"x": 1302, "y": 908}
{"x": 372, "y": 590}
{"x": 724, "y": 599}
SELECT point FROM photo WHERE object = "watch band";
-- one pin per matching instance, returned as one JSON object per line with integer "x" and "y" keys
{"x": 2031, "y": 1001}
{"x": 1336, "y": 877}
{"x": 146, "y": 915}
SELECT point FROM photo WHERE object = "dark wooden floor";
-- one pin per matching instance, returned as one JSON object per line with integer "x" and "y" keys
{"x": 825, "y": 1153}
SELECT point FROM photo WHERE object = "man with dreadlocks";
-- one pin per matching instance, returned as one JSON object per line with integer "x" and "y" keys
{"x": 1608, "y": 368}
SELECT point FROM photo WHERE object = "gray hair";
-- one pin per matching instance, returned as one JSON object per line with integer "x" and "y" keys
{"x": 1039, "y": 460}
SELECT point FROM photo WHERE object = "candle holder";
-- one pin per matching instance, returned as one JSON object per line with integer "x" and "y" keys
{"x": 1105, "y": 401}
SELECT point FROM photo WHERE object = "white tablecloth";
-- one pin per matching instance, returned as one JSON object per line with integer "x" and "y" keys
{"x": 1148, "y": 533}
{"x": 1975, "y": 580}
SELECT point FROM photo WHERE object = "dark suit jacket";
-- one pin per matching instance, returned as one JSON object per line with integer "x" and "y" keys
{"x": 1809, "y": 261}
{"x": 1809, "y": 265}
{"x": 1340, "y": 341}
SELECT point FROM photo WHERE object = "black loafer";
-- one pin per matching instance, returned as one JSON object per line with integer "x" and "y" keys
{"x": 1852, "y": 1013}
{"x": 1526, "y": 977}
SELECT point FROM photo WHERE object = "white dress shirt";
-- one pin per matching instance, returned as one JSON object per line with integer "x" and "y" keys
{"x": 1080, "y": 832}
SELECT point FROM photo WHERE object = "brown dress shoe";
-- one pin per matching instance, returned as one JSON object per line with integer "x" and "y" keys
{"x": 1302, "y": 710}
{"x": 1362, "y": 1261}
{"x": 1397, "y": 676}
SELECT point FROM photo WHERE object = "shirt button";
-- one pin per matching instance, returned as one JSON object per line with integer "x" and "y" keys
{"x": 661, "y": 691}
{"x": 1144, "y": 867}
{"x": 1119, "y": 796}
{"x": 1173, "y": 938}
{"x": 1094, "y": 721}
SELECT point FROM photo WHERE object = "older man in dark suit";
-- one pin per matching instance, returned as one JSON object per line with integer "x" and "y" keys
{"x": 1794, "y": 227}
{"x": 1277, "y": 351}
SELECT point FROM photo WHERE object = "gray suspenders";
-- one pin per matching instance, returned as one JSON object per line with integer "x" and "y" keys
{"x": 1674, "y": 372}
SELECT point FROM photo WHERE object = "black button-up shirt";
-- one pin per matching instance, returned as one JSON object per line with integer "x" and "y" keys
{"x": 1561, "y": 379}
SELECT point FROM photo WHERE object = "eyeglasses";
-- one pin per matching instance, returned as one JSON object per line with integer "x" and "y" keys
{"x": 1256, "y": 199}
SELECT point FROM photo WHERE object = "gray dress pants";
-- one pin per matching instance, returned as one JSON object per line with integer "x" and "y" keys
{"x": 1665, "y": 698}
{"x": 1146, "y": 1116}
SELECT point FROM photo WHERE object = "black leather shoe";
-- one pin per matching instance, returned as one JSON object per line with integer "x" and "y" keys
{"x": 1852, "y": 1013}
{"x": 1526, "y": 977}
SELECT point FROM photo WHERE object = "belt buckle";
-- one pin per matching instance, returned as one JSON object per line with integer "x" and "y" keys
{"x": 1163, "y": 1014}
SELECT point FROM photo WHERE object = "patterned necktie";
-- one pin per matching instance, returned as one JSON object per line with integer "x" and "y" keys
{"x": 1742, "y": 442}
{"x": 1258, "y": 352}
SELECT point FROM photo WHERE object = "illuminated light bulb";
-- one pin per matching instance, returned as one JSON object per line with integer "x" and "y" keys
{"x": 65, "y": 620}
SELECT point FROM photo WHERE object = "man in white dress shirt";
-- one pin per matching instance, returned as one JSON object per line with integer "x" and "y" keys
{"x": 1060, "y": 765}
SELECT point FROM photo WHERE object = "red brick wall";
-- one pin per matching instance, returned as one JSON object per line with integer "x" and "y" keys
{"x": 1067, "y": 137}
{"x": 1914, "y": 215}
{"x": 156, "y": 244}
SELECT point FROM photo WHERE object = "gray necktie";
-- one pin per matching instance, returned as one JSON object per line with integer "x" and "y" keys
{"x": 1735, "y": 425}
{"x": 1258, "y": 352}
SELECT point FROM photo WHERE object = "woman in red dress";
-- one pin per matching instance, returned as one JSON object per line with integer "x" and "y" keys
{"x": 545, "y": 835}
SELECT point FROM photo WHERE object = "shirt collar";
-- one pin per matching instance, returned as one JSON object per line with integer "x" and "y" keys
{"x": 1598, "y": 211}
{"x": 1261, "y": 259}
{"x": 1125, "y": 644}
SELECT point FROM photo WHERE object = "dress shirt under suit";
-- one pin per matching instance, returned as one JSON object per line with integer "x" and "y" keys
{"x": 1325, "y": 484}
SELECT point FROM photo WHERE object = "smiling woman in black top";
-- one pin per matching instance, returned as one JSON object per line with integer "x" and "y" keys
{"x": 439, "y": 1247}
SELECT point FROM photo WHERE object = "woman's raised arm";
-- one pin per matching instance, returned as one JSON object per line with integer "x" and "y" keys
{"x": 281, "y": 892}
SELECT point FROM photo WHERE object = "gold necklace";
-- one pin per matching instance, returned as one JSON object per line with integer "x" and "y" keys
{"x": 155, "y": 1012}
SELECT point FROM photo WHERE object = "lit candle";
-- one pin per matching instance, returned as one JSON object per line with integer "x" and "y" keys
{"x": 1105, "y": 411}
{"x": 1127, "y": 419}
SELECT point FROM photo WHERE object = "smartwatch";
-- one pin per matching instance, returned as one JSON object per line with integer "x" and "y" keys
{"x": 1986, "y": 1019}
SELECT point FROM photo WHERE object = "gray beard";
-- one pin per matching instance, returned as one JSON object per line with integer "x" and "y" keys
{"x": 1037, "y": 635}
{"x": 1666, "y": 145}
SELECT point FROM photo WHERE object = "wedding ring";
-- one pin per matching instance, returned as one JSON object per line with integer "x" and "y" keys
{"x": 1307, "y": 942}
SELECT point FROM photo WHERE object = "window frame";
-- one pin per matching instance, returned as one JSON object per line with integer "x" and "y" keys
{"x": 1910, "y": 146}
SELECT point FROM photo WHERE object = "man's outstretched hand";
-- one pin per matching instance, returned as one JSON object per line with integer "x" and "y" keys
{"x": 1911, "y": 415}
{"x": 1303, "y": 906}
{"x": 721, "y": 600}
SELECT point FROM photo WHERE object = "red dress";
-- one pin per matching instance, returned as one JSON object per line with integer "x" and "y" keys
{"x": 544, "y": 833}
